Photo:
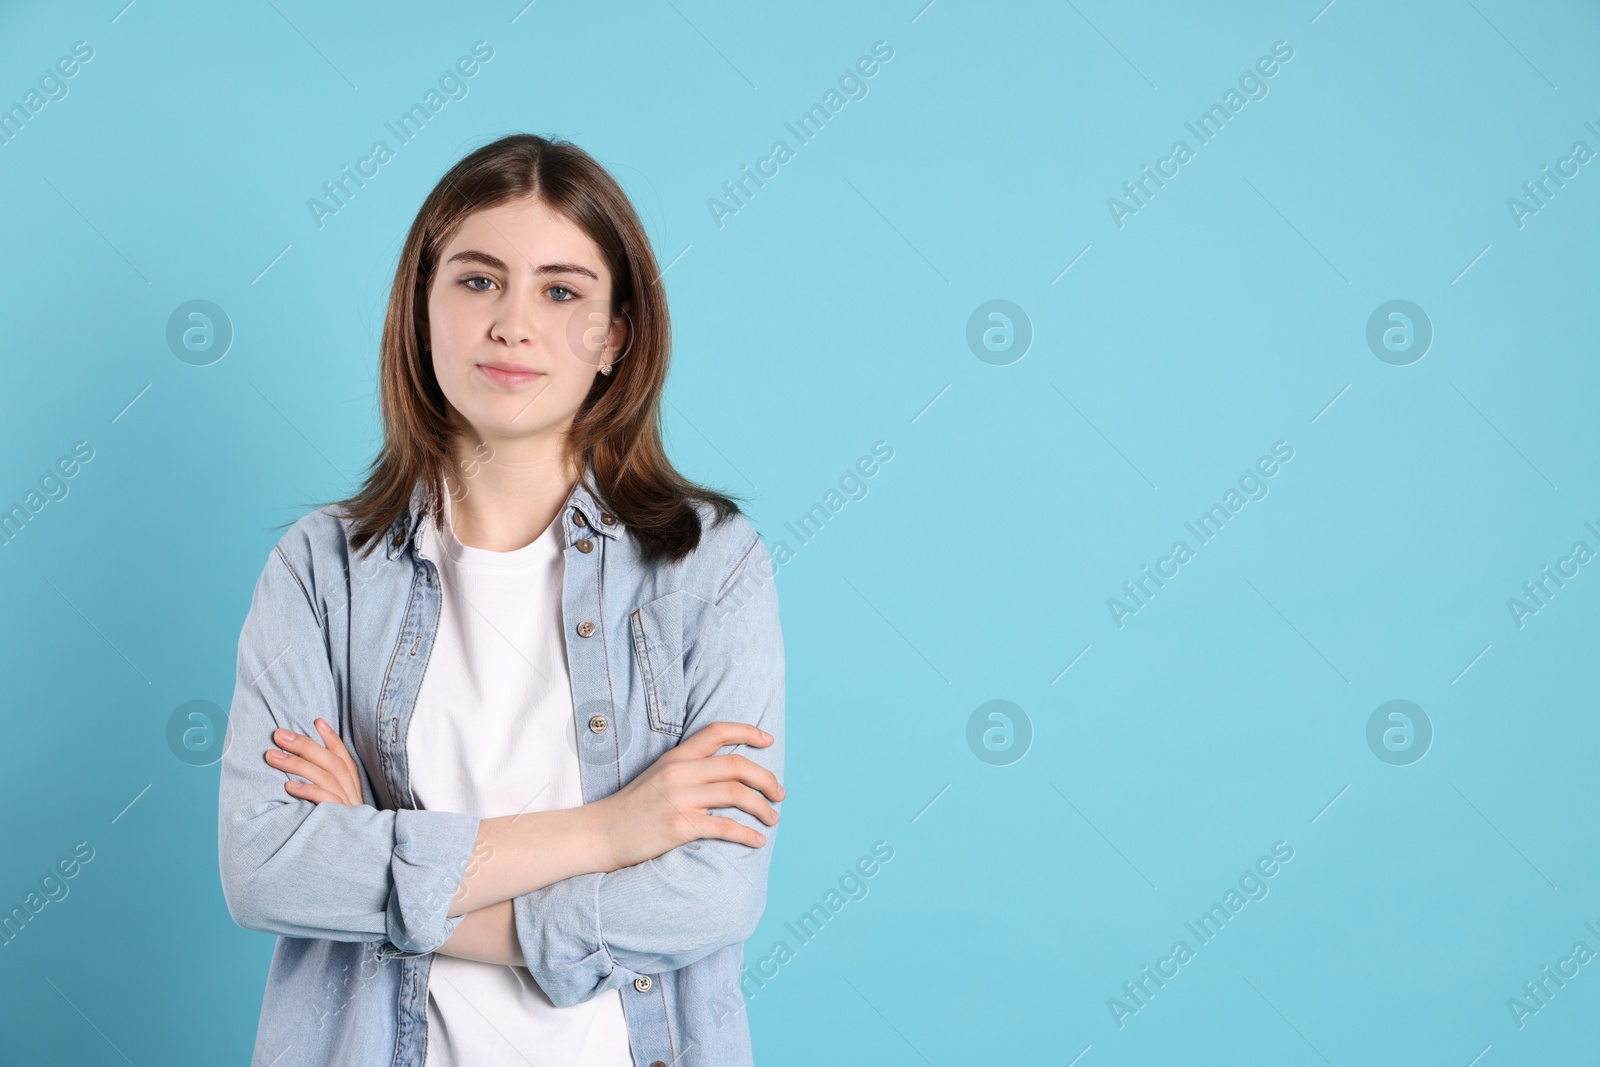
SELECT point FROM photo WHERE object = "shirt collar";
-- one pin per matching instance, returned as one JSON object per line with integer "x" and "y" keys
{"x": 585, "y": 514}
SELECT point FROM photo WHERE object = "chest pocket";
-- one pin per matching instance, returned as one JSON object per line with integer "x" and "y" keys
{"x": 658, "y": 646}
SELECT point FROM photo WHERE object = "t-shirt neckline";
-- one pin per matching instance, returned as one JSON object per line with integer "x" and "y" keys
{"x": 538, "y": 551}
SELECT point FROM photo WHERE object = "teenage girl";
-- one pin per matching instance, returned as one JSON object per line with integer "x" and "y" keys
{"x": 502, "y": 819}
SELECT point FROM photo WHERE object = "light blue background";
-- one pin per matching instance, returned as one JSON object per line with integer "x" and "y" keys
{"x": 827, "y": 315}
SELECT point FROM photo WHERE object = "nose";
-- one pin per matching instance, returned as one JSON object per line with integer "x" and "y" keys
{"x": 514, "y": 320}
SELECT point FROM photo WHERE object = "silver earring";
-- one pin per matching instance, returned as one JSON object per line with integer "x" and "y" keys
{"x": 606, "y": 369}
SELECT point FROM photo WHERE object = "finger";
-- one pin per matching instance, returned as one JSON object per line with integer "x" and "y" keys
{"x": 745, "y": 770}
{"x": 308, "y": 749}
{"x": 726, "y": 829}
{"x": 335, "y": 744}
{"x": 735, "y": 795}
{"x": 706, "y": 741}
{"x": 311, "y": 793}
{"x": 347, "y": 798}
{"x": 292, "y": 764}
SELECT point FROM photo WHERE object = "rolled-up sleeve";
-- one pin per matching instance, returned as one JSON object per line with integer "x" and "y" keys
{"x": 332, "y": 871}
{"x": 594, "y": 932}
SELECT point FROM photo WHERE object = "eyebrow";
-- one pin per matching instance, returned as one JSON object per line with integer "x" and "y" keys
{"x": 472, "y": 255}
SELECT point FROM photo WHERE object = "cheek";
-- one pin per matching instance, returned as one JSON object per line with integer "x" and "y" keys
{"x": 572, "y": 384}
{"x": 450, "y": 362}
{"x": 575, "y": 335}
{"x": 449, "y": 322}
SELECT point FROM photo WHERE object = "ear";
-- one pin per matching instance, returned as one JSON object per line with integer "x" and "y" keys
{"x": 620, "y": 339}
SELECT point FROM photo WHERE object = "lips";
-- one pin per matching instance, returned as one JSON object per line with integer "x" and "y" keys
{"x": 509, "y": 373}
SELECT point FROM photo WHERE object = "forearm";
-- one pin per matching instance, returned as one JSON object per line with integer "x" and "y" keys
{"x": 518, "y": 854}
{"x": 488, "y": 935}
{"x": 300, "y": 869}
{"x": 595, "y": 932}
{"x": 583, "y": 935}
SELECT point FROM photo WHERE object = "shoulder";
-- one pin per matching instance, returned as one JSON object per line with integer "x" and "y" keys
{"x": 317, "y": 535}
{"x": 316, "y": 549}
{"x": 730, "y": 549}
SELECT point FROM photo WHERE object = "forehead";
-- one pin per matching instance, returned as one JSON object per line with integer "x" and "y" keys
{"x": 525, "y": 233}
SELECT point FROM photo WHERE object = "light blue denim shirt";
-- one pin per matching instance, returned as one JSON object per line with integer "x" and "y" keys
{"x": 359, "y": 895}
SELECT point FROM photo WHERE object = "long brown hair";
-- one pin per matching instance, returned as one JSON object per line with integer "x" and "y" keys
{"x": 616, "y": 431}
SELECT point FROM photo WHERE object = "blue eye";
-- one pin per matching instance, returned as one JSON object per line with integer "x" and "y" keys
{"x": 569, "y": 297}
{"x": 476, "y": 278}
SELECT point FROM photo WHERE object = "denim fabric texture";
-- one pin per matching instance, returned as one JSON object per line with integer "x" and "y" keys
{"x": 359, "y": 896}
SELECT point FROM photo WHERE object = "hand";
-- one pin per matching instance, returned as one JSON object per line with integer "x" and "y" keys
{"x": 331, "y": 771}
{"x": 666, "y": 805}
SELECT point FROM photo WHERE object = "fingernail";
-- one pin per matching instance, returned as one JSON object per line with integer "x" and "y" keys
{"x": 287, "y": 735}
{"x": 766, "y": 736}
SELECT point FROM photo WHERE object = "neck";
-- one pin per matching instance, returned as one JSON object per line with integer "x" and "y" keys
{"x": 505, "y": 492}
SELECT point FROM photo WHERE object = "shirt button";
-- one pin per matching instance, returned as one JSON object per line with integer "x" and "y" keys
{"x": 658, "y": 1063}
{"x": 399, "y": 539}
{"x": 597, "y": 725}
{"x": 578, "y": 519}
{"x": 586, "y": 628}
{"x": 609, "y": 520}
{"x": 642, "y": 983}
{"x": 585, "y": 545}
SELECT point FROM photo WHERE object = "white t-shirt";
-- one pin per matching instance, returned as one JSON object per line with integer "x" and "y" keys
{"x": 493, "y": 734}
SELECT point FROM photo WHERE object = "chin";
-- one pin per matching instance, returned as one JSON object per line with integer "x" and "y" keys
{"x": 505, "y": 421}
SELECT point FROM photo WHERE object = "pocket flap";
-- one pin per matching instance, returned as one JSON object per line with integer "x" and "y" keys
{"x": 658, "y": 649}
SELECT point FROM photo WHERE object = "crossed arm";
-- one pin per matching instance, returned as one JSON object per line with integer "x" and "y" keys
{"x": 488, "y": 935}
{"x": 661, "y": 809}
{"x": 671, "y": 883}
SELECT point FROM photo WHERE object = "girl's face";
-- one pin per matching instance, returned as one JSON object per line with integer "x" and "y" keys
{"x": 519, "y": 321}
